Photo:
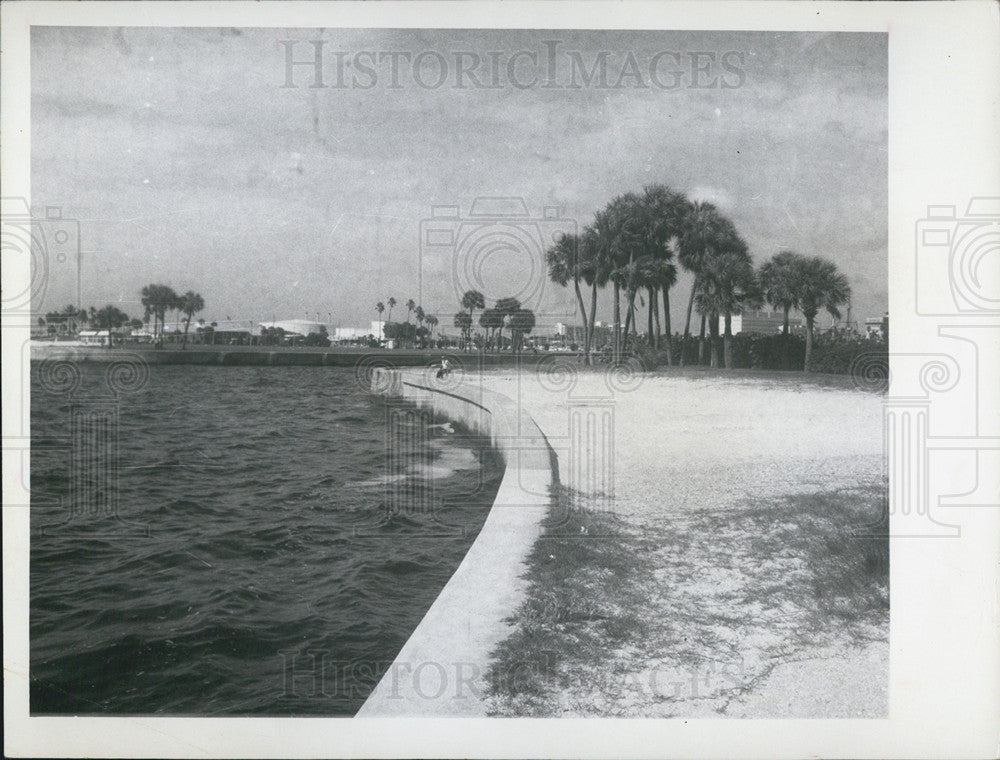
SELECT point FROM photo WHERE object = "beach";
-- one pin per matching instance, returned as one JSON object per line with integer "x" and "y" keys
{"x": 726, "y": 566}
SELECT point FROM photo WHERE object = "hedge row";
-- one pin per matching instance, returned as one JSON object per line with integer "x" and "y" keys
{"x": 834, "y": 353}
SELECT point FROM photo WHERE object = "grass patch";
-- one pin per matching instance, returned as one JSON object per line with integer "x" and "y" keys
{"x": 585, "y": 585}
{"x": 842, "y": 537}
{"x": 710, "y": 601}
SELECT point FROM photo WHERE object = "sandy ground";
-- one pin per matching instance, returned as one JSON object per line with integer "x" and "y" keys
{"x": 694, "y": 462}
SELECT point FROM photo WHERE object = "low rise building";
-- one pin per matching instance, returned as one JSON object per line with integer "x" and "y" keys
{"x": 761, "y": 321}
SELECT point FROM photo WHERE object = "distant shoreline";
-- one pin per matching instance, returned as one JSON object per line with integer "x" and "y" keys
{"x": 275, "y": 356}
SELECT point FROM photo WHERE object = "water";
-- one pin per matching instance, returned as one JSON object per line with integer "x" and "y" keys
{"x": 256, "y": 518}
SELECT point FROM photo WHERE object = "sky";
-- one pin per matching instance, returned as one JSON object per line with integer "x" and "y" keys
{"x": 186, "y": 158}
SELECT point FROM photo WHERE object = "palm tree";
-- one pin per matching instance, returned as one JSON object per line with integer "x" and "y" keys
{"x": 506, "y": 307}
{"x": 728, "y": 286}
{"x": 565, "y": 263}
{"x": 491, "y": 320}
{"x": 596, "y": 272}
{"x": 471, "y": 300}
{"x": 380, "y": 307}
{"x": 819, "y": 285}
{"x": 419, "y": 314}
{"x": 522, "y": 322}
{"x": 702, "y": 229}
{"x": 410, "y": 306}
{"x": 464, "y": 323}
{"x": 157, "y": 300}
{"x": 778, "y": 279}
{"x": 392, "y": 302}
{"x": 109, "y": 318}
{"x": 189, "y": 304}
{"x": 431, "y": 322}
{"x": 665, "y": 213}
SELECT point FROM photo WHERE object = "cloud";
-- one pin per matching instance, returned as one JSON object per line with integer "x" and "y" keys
{"x": 714, "y": 195}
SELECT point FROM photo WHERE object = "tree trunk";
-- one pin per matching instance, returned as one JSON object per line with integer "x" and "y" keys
{"x": 628, "y": 326}
{"x": 809, "y": 345}
{"x": 701, "y": 341}
{"x": 713, "y": 337}
{"x": 650, "y": 337}
{"x": 186, "y": 326}
{"x": 635, "y": 318}
{"x": 654, "y": 306}
{"x": 583, "y": 314}
{"x": 666, "y": 327}
{"x": 727, "y": 349}
{"x": 687, "y": 322}
{"x": 589, "y": 336}
{"x": 618, "y": 325}
{"x": 785, "y": 361}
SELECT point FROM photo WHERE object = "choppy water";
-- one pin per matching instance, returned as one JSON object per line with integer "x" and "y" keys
{"x": 255, "y": 518}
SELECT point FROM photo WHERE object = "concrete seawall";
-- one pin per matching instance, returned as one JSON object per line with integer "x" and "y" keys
{"x": 280, "y": 356}
{"x": 440, "y": 669}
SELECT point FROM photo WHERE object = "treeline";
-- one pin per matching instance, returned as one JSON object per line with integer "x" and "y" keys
{"x": 412, "y": 334}
{"x": 636, "y": 244}
{"x": 506, "y": 313}
{"x": 157, "y": 301}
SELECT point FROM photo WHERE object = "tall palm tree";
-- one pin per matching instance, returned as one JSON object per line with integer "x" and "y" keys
{"x": 411, "y": 305}
{"x": 463, "y": 322}
{"x": 431, "y": 321}
{"x": 777, "y": 279}
{"x": 819, "y": 285}
{"x": 596, "y": 272}
{"x": 472, "y": 300}
{"x": 703, "y": 227}
{"x": 189, "y": 304}
{"x": 565, "y": 264}
{"x": 392, "y": 302}
{"x": 778, "y": 282}
{"x": 506, "y": 308}
{"x": 522, "y": 322}
{"x": 491, "y": 320}
{"x": 618, "y": 229}
{"x": 729, "y": 285}
{"x": 665, "y": 213}
{"x": 158, "y": 300}
{"x": 419, "y": 314}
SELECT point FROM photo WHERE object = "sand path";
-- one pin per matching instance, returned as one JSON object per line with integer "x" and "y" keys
{"x": 688, "y": 457}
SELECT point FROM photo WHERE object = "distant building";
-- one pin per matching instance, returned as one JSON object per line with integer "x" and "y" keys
{"x": 294, "y": 327}
{"x": 761, "y": 321}
{"x": 565, "y": 334}
{"x": 875, "y": 326}
{"x": 351, "y": 333}
{"x": 93, "y": 337}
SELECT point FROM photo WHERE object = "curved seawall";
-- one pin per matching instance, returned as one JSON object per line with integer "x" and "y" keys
{"x": 440, "y": 669}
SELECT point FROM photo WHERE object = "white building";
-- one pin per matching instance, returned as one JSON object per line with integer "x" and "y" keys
{"x": 301, "y": 327}
{"x": 873, "y": 327}
{"x": 351, "y": 333}
{"x": 93, "y": 337}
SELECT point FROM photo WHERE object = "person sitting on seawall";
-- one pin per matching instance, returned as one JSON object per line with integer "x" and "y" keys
{"x": 445, "y": 368}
